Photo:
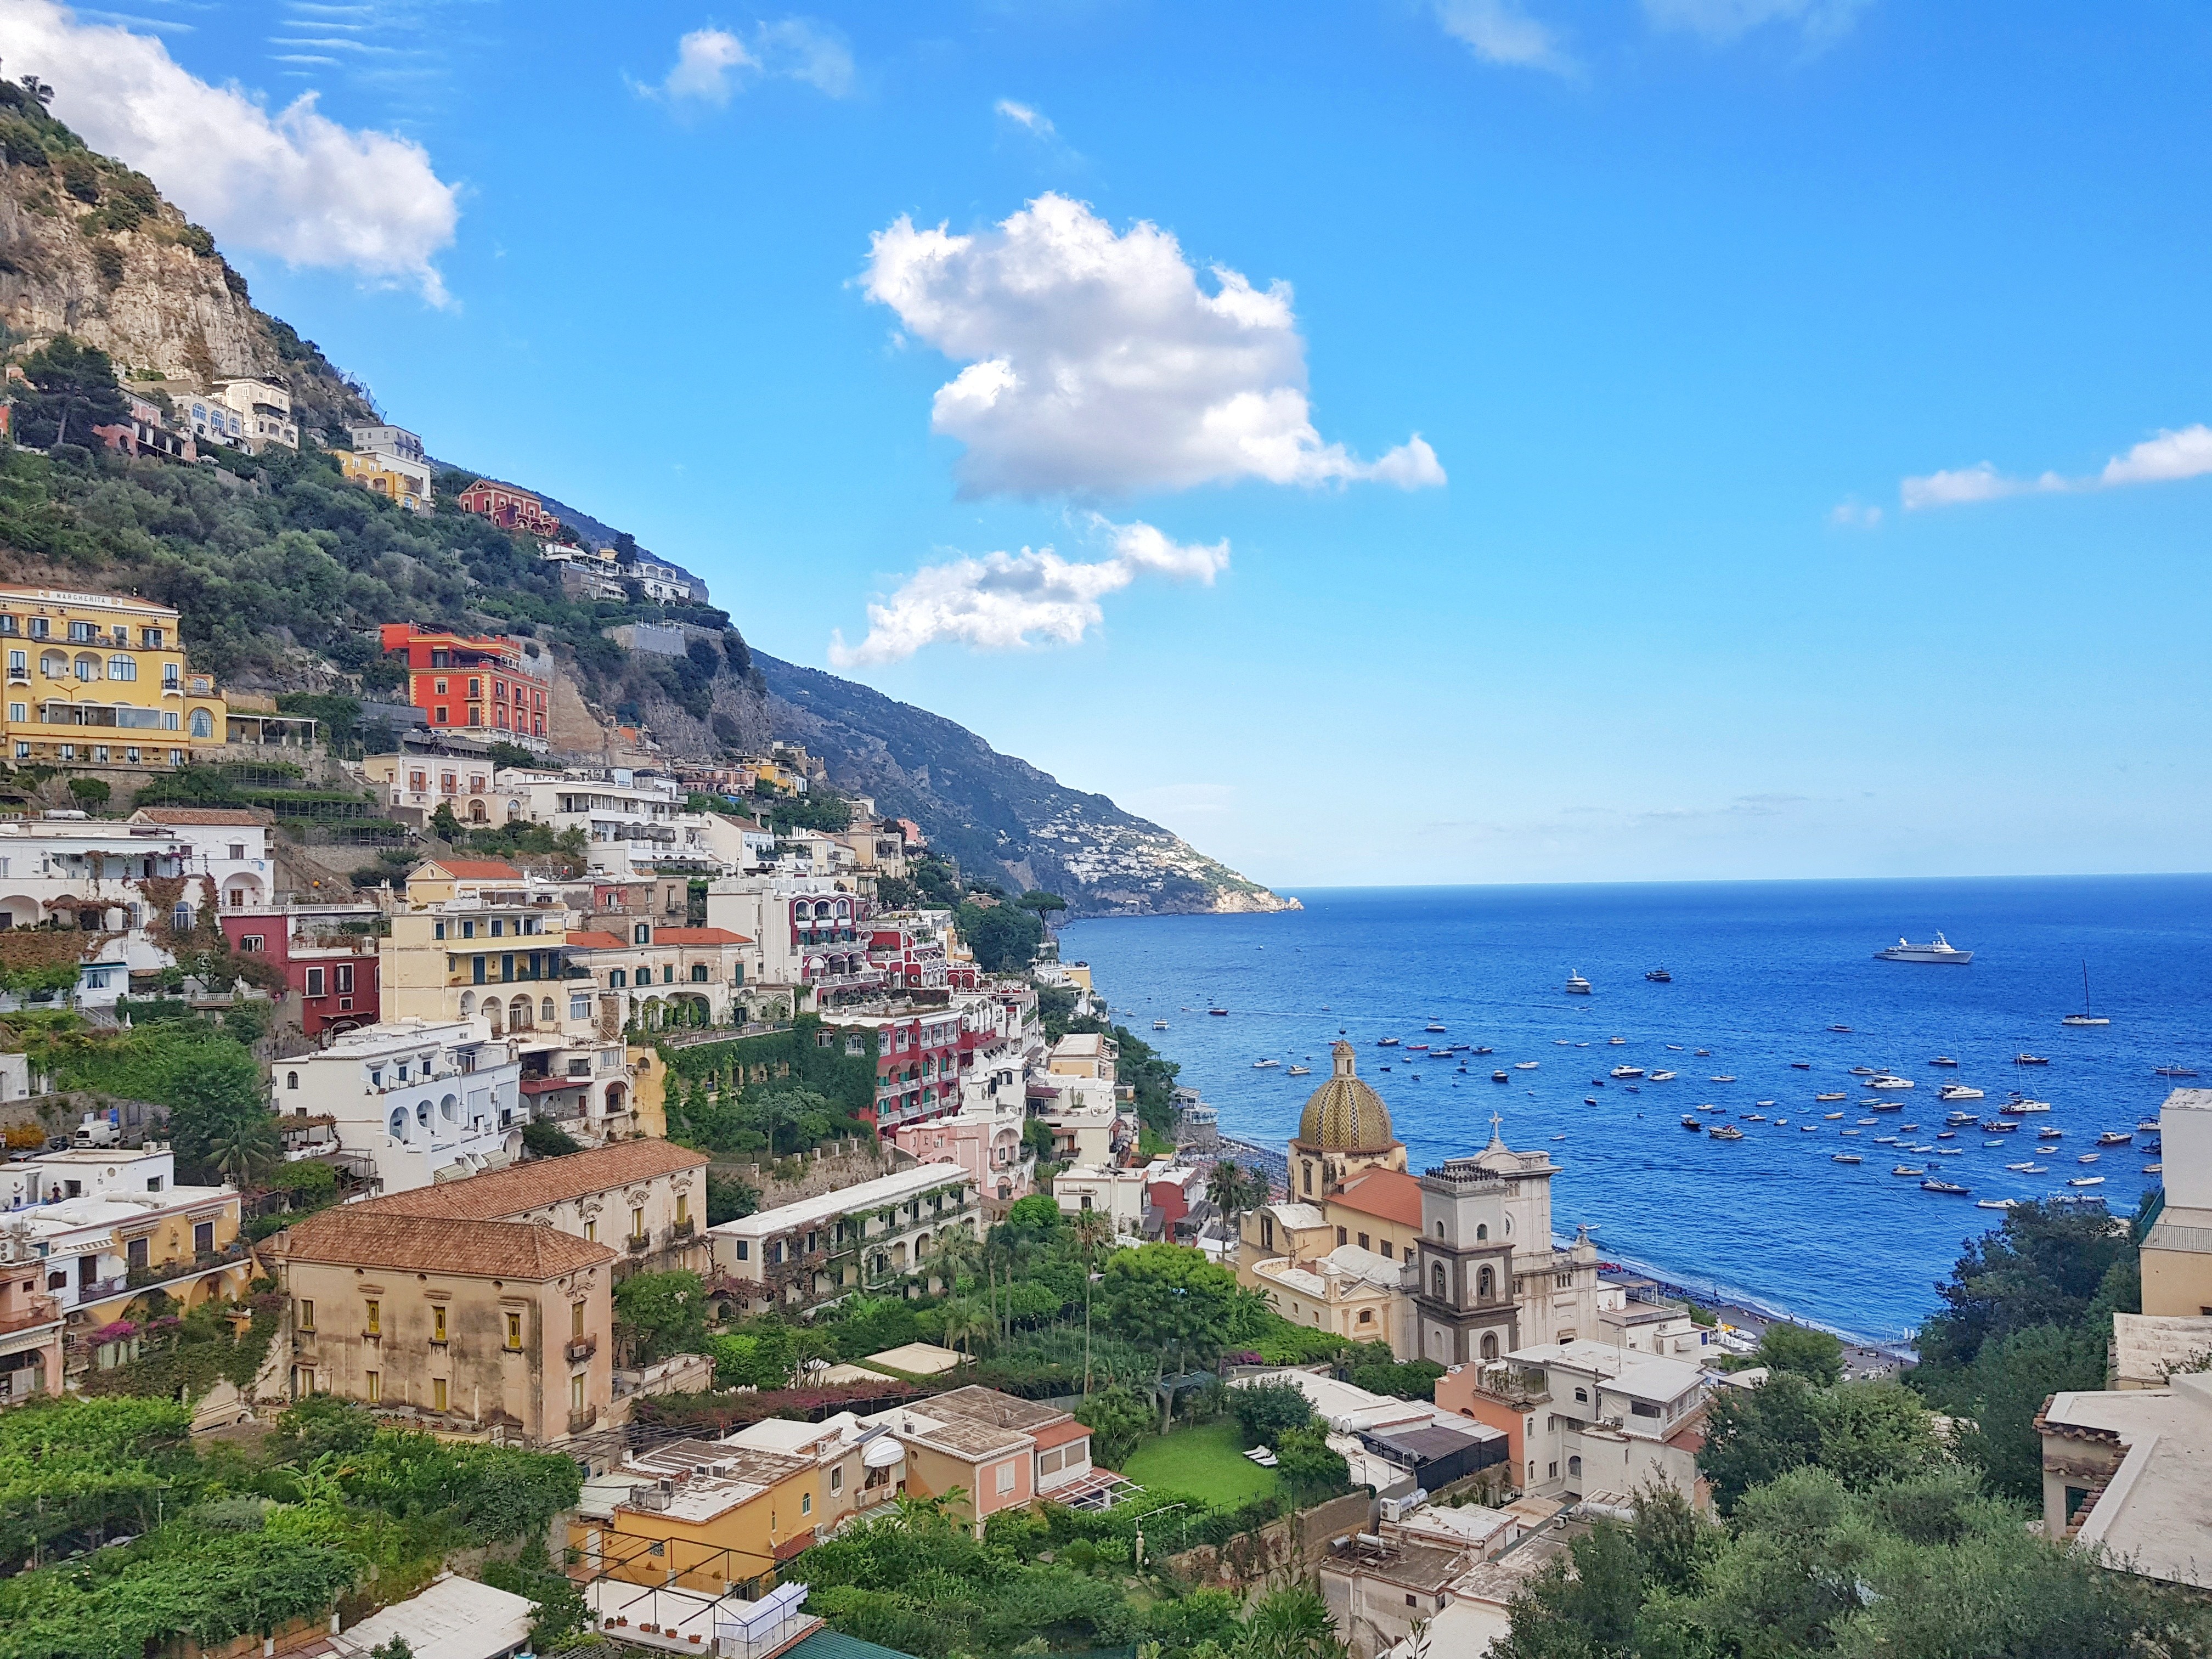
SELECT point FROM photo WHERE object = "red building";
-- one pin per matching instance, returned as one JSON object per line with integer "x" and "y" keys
{"x": 331, "y": 971}
{"x": 468, "y": 682}
{"x": 511, "y": 509}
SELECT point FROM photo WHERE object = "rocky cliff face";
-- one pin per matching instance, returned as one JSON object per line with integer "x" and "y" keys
{"x": 90, "y": 249}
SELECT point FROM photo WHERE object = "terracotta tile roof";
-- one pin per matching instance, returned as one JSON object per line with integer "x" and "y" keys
{"x": 1059, "y": 1434}
{"x": 697, "y": 936}
{"x": 593, "y": 940}
{"x": 239, "y": 816}
{"x": 522, "y": 1188}
{"x": 354, "y": 1236}
{"x": 476, "y": 869}
{"x": 1387, "y": 1194}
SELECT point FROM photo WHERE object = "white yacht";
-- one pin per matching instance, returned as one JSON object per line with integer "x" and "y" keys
{"x": 1889, "y": 1083}
{"x": 1577, "y": 985}
{"x": 1957, "y": 1091}
{"x": 1159, "y": 1025}
{"x": 1265, "y": 1065}
{"x": 1941, "y": 950}
{"x": 2085, "y": 1017}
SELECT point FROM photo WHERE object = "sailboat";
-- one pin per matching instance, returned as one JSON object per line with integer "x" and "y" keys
{"x": 2085, "y": 1017}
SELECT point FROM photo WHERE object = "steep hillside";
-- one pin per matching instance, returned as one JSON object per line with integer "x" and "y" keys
{"x": 994, "y": 811}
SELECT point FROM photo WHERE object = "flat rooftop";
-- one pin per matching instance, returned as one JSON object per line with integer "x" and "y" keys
{"x": 896, "y": 1188}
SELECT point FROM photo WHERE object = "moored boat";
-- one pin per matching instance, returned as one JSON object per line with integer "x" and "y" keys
{"x": 1845, "y": 1158}
{"x": 1725, "y": 1132}
{"x": 1577, "y": 985}
{"x": 1939, "y": 949}
{"x": 1950, "y": 1187}
{"x": 1659, "y": 976}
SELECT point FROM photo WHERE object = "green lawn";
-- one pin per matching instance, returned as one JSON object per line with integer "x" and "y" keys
{"x": 1207, "y": 1462}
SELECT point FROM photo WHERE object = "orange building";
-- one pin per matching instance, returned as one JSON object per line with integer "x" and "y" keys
{"x": 511, "y": 509}
{"x": 468, "y": 682}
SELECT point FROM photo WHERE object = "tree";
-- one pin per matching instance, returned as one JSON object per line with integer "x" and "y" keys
{"x": 1861, "y": 1434}
{"x": 445, "y": 825}
{"x": 1234, "y": 1189}
{"x": 966, "y": 1319}
{"x": 1041, "y": 903}
{"x": 728, "y": 1199}
{"x": 1117, "y": 1420}
{"x": 74, "y": 389}
{"x": 1265, "y": 1411}
{"x": 1291, "y": 1623}
{"x": 2005, "y": 1389}
{"x": 1094, "y": 1233}
{"x": 1003, "y": 939}
{"x": 1816, "y": 1356}
{"x": 1306, "y": 1460}
{"x": 1173, "y": 1300}
{"x": 542, "y": 1138}
{"x": 2043, "y": 1266}
{"x": 90, "y": 792}
{"x": 661, "y": 1314}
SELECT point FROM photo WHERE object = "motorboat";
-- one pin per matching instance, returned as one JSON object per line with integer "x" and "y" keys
{"x": 1908, "y": 1169}
{"x": 2036, "y": 1169}
{"x": 1597, "y": 1083}
{"x": 1562, "y": 1042}
{"x": 1659, "y": 976}
{"x": 1386, "y": 1042}
{"x": 1417, "y": 1048}
{"x": 1868, "y": 1122}
{"x": 1525, "y": 1065}
{"x": 1847, "y": 1132}
{"x": 1725, "y": 1132}
{"x": 1882, "y": 1103}
{"x": 1800, "y": 1065}
{"x": 1266, "y": 1065}
{"x": 2019, "y": 1107}
{"x": 2088, "y": 1157}
{"x": 1950, "y": 1151}
{"x": 1627, "y": 1071}
{"x": 1434, "y": 1025}
{"x": 1486, "y": 1049}
{"x": 1754, "y": 1117}
{"x": 1864, "y": 1070}
{"x": 1805, "y": 1128}
{"x": 2085, "y": 1017}
{"x": 1499, "y": 1077}
{"x": 2153, "y": 1168}
{"x": 1762, "y": 1102}
{"x": 1663, "y": 1077}
{"x": 1673, "y": 1047}
{"x": 2115, "y": 1138}
{"x": 2029, "y": 1168}
{"x": 1947, "y": 1135}
{"x": 1218, "y": 1013}
{"x": 2029, "y": 1060}
{"x": 1577, "y": 985}
{"x": 2149, "y": 1126}
{"x": 1944, "y": 1059}
{"x": 2086, "y": 1180}
{"x": 1707, "y": 1053}
{"x": 1885, "y": 1140}
{"x": 1589, "y": 1100}
{"x": 1845, "y": 1158}
{"x": 1725, "y": 1077}
{"x": 1830, "y": 1117}
{"x": 1307, "y": 1071}
{"x": 1950, "y": 1187}
{"x": 1939, "y": 949}
{"x": 1159, "y": 1025}
{"x": 1616, "y": 1042}
{"x": 1994, "y": 1203}
{"x": 1692, "y": 1120}
{"x": 1889, "y": 1083}
{"x": 1836, "y": 1095}
{"x": 1839, "y": 1027}
{"x": 1957, "y": 1091}
{"x": 2172, "y": 1071}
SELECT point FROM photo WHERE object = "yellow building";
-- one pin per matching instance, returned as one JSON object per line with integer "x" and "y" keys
{"x": 698, "y": 1514}
{"x": 99, "y": 680}
{"x": 480, "y": 938}
{"x": 405, "y": 482}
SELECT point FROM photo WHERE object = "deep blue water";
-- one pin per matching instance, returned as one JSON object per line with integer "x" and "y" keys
{"x": 1761, "y": 970}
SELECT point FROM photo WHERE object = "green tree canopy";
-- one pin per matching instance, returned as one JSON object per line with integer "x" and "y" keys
{"x": 661, "y": 1314}
{"x": 1816, "y": 1356}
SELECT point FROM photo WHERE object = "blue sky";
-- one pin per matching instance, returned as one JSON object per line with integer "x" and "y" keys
{"x": 1679, "y": 295}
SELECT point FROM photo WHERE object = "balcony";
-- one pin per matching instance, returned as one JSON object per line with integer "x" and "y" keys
{"x": 580, "y": 1421}
{"x": 580, "y": 1349}
{"x": 685, "y": 1229}
{"x": 46, "y": 1310}
{"x": 638, "y": 1243}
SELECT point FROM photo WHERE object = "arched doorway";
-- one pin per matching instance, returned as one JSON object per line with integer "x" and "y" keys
{"x": 518, "y": 1014}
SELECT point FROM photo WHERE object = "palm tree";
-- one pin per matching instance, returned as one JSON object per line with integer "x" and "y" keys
{"x": 1291, "y": 1623}
{"x": 242, "y": 1146}
{"x": 956, "y": 1251}
{"x": 1092, "y": 1228}
{"x": 964, "y": 1321}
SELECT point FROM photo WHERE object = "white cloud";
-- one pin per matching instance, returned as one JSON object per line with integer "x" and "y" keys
{"x": 712, "y": 64}
{"x": 1851, "y": 516}
{"x": 1500, "y": 32}
{"x": 1096, "y": 364}
{"x": 1722, "y": 21}
{"x": 1026, "y": 117}
{"x": 998, "y": 601}
{"x": 2167, "y": 459}
{"x": 295, "y": 183}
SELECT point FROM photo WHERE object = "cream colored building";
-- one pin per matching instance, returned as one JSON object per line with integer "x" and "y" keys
{"x": 469, "y": 1327}
{"x": 99, "y": 680}
{"x": 870, "y": 1233}
{"x": 2177, "y": 1256}
{"x": 468, "y": 784}
{"x": 1349, "y": 1292}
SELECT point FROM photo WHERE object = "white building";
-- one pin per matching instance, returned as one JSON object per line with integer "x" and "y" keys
{"x": 660, "y": 581}
{"x": 213, "y": 420}
{"x": 413, "y": 1101}
{"x": 813, "y": 934}
{"x": 625, "y": 816}
{"x": 797, "y": 1254}
{"x": 1605, "y": 1420}
{"x": 1118, "y": 1194}
{"x": 91, "y": 1217}
{"x": 265, "y": 412}
{"x": 393, "y": 441}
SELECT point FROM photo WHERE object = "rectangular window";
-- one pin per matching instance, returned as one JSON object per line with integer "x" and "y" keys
{"x": 374, "y": 1311}
{"x": 1006, "y": 1477}
{"x": 437, "y": 1323}
{"x": 307, "y": 1317}
{"x": 591, "y": 1232}
{"x": 514, "y": 1330}
{"x": 314, "y": 981}
{"x": 580, "y": 1006}
{"x": 375, "y": 1381}
{"x": 19, "y": 711}
{"x": 438, "y": 930}
{"x": 203, "y": 1238}
{"x": 637, "y": 1221}
{"x": 437, "y": 1393}
{"x": 576, "y": 1319}
{"x": 342, "y": 976}
{"x": 806, "y": 1502}
{"x": 576, "y": 1392}
{"x": 745, "y": 1250}
{"x": 683, "y": 1208}
{"x": 836, "y": 1480}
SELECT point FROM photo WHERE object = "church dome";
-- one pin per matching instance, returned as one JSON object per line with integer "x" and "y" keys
{"x": 1344, "y": 1115}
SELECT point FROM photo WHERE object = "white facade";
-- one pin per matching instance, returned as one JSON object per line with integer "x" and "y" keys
{"x": 419, "y": 1100}
{"x": 799, "y": 1253}
{"x": 395, "y": 441}
{"x": 265, "y": 412}
{"x": 1605, "y": 1418}
{"x": 1118, "y": 1194}
{"x": 87, "y": 1218}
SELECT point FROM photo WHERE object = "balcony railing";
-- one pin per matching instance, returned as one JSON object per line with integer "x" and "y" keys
{"x": 580, "y": 1421}
{"x": 639, "y": 1243}
{"x": 140, "y": 1278}
{"x": 684, "y": 1229}
{"x": 582, "y": 1347}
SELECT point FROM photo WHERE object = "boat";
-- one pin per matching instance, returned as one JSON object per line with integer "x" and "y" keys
{"x": 1839, "y": 1027}
{"x": 1994, "y": 1203}
{"x": 2115, "y": 1138}
{"x": 1847, "y": 1132}
{"x": 1864, "y": 1070}
{"x": 1597, "y": 1083}
{"x": 1486, "y": 1049}
{"x": 1577, "y": 985}
{"x": 1999, "y": 1127}
{"x": 2086, "y": 1180}
{"x": 1805, "y": 1128}
{"x": 1659, "y": 976}
{"x": 2020, "y": 1107}
{"x": 1218, "y": 1013}
{"x": 2153, "y": 1168}
{"x": 1836, "y": 1095}
{"x": 1725, "y": 1132}
{"x": 1889, "y": 1083}
{"x": 1830, "y": 1117}
{"x": 2027, "y": 1168}
{"x": 1673, "y": 1047}
{"x": 1800, "y": 1065}
{"x": 1499, "y": 1077}
{"x": 2149, "y": 1126}
{"x": 1957, "y": 1091}
{"x": 1707, "y": 1053}
{"x": 1616, "y": 1042}
{"x": 1433, "y": 1026}
{"x": 1845, "y": 1158}
{"x": 2036, "y": 1169}
{"x": 1159, "y": 1025}
{"x": 1941, "y": 950}
{"x": 1627, "y": 1071}
{"x": 1417, "y": 1048}
{"x": 1754, "y": 1117}
{"x": 1589, "y": 1100}
{"x": 1950, "y": 1187}
{"x": 1265, "y": 1065}
{"x": 1882, "y": 1103}
{"x": 1663, "y": 1077}
{"x": 1908, "y": 1169}
{"x": 1947, "y": 1135}
{"x": 1885, "y": 1140}
{"x": 1525, "y": 1065}
{"x": 1307, "y": 1071}
{"x": 2088, "y": 1157}
{"x": 2085, "y": 1017}
{"x": 1386, "y": 1042}
{"x": 1726, "y": 1077}
{"x": 2044, "y": 1136}
{"x": 1950, "y": 1151}
{"x": 2029, "y": 1060}
{"x": 2172, "y": 1071}
{"x": 1943, "y": 1059}
{"x": 1562, "y": 1042}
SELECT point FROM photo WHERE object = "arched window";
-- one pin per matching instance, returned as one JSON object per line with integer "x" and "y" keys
{"x": 546, "y": 1014}
{"x": 1574, "y": 1468}
{"x": 518, "y": 1014}
{"x": 1308, "y": 1168}
{"x": 399, "y": 1123}
{"x": 291, "y": 1079}
{"x": 422, "y": 1113}
{"x": 617, "y": 978}
{"x": 1485, "y": 1284}
{"x": 450, "y": 1109}
{"x": 1481, "y": 1231}
{"x": 87, "y": 666}
{"x": 181, "y": 918}
{"x": 122, "y": 667}
{"x": 203, "y": 723}
{"x": 53, "y": 665}
{"x": 1490, "y": 1349}
{"x": 1437, "y": 1282}
{"x": 468, "y": 1003}
{"x": 1440, "y": 1229}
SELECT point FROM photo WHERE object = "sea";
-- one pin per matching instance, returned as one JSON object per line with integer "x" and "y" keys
{"x": 1762, "y": 972}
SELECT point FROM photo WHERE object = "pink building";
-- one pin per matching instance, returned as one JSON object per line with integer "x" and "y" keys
{"x": 30, "y": 1336}
{"x": 987, "y": 1146}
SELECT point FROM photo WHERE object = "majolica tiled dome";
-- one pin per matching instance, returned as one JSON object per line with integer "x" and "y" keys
{"x": 1345, "y": 1115}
